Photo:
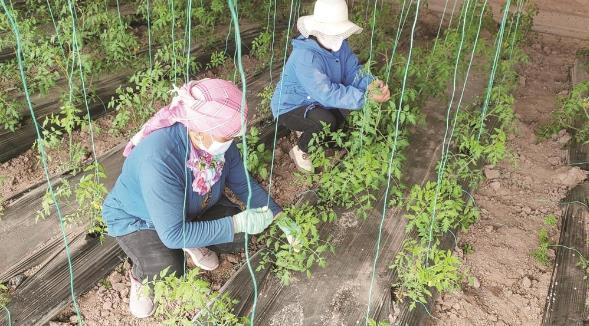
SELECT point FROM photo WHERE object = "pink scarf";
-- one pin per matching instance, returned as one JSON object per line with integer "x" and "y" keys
{"x": 212, "y": 106}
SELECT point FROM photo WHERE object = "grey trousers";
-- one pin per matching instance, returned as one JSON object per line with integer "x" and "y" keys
{"x": 149, "y": 256}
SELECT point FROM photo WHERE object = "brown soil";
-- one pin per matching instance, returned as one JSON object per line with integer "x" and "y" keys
{"x": 25, "y": 170}
{"x": 509, "y": 286}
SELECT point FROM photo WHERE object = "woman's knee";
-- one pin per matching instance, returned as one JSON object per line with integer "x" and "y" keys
{"x": 324, "y": 117}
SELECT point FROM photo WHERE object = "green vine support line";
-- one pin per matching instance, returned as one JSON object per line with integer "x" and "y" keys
{"x": 8, "y": 317}
{"x": 21, "y": 67}
{"x": 494, "y": 69}
{"x": 393, "y": 150}
{"x": 244, "y": 149}
{"x": 279, "y": 100}
{"x": 446, "y": 141}
{"x": 187, "y": 39}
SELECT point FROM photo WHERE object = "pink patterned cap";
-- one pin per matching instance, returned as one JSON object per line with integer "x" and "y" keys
{"x": 212, "y": 106}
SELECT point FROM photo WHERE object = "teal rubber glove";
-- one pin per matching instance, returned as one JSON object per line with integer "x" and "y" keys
{"x": 253, "y": 220}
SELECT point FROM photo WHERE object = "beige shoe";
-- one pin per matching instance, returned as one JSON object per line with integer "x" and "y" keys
{"x": 301, "y": 159}
{"x": 203, "y": 258}
{"x": 141, "y": 303}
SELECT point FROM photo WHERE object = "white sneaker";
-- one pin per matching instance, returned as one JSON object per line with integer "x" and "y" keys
{"x": 203, "y": 258}
{"x": 141, "y": 303}
{"x": 301, "y": 159}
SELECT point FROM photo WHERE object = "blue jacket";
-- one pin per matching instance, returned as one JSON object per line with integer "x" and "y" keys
{"x": 314, "y": 75}
{"x": 149, "y": 193}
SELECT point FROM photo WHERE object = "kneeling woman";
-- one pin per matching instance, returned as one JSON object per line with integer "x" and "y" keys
{"x": 169, "y": 197}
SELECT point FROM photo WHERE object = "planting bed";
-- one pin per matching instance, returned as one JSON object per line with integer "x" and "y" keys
{"x": 455, "y": 203}
{"x": 509, "y": 285}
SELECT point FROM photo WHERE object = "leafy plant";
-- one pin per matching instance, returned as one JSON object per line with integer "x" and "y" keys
{"x": 87, "y": 207}
{"x": 265, "y": 97}
{"x": 136, "y": 104}
{"x": 189, "y": 299}
{"x": 541, "y": 252}
{"x": 119, "y": 45}
{"x": 261, "y": 47}
{"x": 449, "y": 209}
{"x": 4, "y": 295}
{"x": 9, "y": 114}
{"x": 573, "y": 115}
{"x": 259, "y": 157}
{"x": 420, "y": 269}
{"x": 544, "y": 243}
{"x": 294, "y": 243}
{"x": 217, "y": 59}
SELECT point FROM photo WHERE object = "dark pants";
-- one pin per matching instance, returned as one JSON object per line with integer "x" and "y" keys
{"x": 149, "y": 256}
{"x": 309, "y": 121}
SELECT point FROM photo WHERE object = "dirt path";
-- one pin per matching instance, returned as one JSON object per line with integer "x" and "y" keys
{"x": 509, "y": 285}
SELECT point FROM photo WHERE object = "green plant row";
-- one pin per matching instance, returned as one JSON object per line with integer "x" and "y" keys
{"x": 422, "y": 265}
{"x": 573, "y": 115}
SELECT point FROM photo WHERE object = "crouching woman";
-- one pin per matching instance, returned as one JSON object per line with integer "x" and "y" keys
{"x": 168, "y": 199}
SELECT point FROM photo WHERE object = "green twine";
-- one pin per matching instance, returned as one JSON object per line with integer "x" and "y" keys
{"x": 174, "y": 63}
{"x": 438, "y": 33}
{"x": 279, "y": 100}
{"x": 118, "y": 12}
{"x": 7, "y": 315}
{"x": 400, "y": 28}
{"x": 273, "y": 37}
{"x": 494, "y": 69}
{"x": 149, "y": 35}
{"x": 445, "y": 153}
{"x": 232, "y": 8}
{"x": 20, "y": 59}
{"x": 369, "y": 65}
{"x": 391, "y": 158}
{"x": 187, "y": 40}
{"x": 513, "y": 40}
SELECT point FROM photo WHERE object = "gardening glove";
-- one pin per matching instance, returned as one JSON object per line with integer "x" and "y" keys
{"x": 253, "y": 220}
{"x": 290, "y": 229}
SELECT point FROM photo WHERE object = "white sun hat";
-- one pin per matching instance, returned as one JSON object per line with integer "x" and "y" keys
{"x": 328, "y": 21}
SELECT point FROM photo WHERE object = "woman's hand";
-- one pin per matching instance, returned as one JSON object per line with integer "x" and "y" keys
{"x": 379, "y": 91}
{"x": 253, "y": 220}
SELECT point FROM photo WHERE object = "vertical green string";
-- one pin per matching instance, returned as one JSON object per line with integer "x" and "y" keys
{"x": 273, "y": 37}
{"x": 279, "y": 100}
{"x": 400, "y": 27}
{"x": 149, "y": 35}
{"x": 7, "y": 315}
{"x": 438, "y": 33}
{"x": 520, "y": 8}
{"x": 448, "y": 113}
{"x": 369, "y": 63}
{"x": 233, "y": 9}
{"x": 391, "y": 159}
{"x": 494, "y": 68}
{"x": 21, "y": 65}
{"x": 473, "y": 51}
{"x": 174, "y": 61}
{"x": 118, "y": 12}
{"x": 187, "y": 39}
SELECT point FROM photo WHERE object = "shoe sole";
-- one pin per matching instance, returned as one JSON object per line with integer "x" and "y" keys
{"x": 143, "y": 316}
{"x": 296, "y": 164}
{"x": 195, "y": 262}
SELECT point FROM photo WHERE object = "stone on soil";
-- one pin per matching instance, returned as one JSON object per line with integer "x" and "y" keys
{"x": 491, "y": 173}
{"x": 570, "y": 176}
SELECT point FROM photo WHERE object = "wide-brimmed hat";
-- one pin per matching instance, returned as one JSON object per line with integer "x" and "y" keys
{"x": 329, "y": 19}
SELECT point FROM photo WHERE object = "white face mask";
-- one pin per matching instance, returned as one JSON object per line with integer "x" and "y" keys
{"x": 334, "y": 43}
{"x": 216, "y": 147}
